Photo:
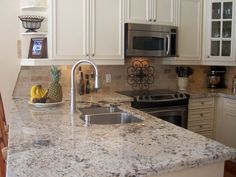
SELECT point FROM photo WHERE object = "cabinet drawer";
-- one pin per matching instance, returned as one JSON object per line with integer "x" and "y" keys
{"x": 199, "y": 127}
{"x": 201, "y": 103}
{"x": 200, "y": 114}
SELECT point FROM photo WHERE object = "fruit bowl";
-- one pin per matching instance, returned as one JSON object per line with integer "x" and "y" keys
{"x": 31, "y": 22}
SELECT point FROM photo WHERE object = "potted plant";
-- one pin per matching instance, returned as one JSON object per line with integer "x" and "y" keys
{"x": 183, "y": 75}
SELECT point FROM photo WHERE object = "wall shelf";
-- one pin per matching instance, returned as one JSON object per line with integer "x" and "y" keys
{"x": 35, "y": 34}
{"x": 34, "y": 8}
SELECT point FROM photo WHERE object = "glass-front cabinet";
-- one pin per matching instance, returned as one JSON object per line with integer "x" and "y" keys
{"x": 220, "y": 41}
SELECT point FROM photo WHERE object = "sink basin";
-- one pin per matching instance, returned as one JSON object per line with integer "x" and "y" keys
{"x": 110, "y": 118}
{"x": 99, "y": 110}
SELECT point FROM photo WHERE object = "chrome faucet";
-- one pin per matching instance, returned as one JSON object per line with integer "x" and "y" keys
{"x": 72, "y": 94}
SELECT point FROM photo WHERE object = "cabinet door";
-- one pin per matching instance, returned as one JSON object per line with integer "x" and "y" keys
{"x": 226, "y": 122}
{"x": 106, "y": 30}
{"x": 189, "y": 29}
{"x": 138, "y": 11}
{"x": 164, "y": 12}
{"x": 220, "y": 24}
{"x": 70, "y": 29}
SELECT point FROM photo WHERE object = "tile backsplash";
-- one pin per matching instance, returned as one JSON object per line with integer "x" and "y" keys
{"x": 165, "y": 77}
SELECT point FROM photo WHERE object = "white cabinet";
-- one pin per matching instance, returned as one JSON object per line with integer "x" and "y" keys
{"x": 201, "y": 116}
{"x": 190, "y": 29}
{"x": 70, "y": 29}
{"x": 151, "y": 11}
{"x": 219, "y": 44}
{"x": 91, "y": 29}
{"x": 189, "y": 33}
{"x": 226, "y": 121}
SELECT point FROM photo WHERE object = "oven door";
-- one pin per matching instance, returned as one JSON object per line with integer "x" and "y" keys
{"x": 177, "y": 115}
{"x": 148, "y": 43}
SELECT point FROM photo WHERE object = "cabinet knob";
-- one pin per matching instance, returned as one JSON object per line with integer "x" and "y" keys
{"x": 202, "y": 103}
{"x": 201, "y": 115}
{"x": 154, "y": 20}
{"x": 150, "y": 19}
{"x": 200, "y": 126}
{"x": 93, "y": 54}
{"x": 208, "y": 56}
{"x": 87, "y": 54}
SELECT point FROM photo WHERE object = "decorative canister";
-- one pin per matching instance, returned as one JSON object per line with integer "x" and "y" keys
{"x": 182, "y": 83}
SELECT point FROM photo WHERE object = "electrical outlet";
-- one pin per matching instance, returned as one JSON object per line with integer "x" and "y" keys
{"x": 108, "y": 78}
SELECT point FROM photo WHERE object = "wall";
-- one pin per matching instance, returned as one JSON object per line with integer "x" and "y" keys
{"x": 165, "y": 77}
{"x": 9, "y": 64}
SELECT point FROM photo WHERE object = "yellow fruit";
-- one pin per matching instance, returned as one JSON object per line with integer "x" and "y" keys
{"x": 37, "y": 92}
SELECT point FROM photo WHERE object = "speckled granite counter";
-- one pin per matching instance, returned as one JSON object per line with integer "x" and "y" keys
{"x": 201, "y": 93}
{"x": 49, "y": 142}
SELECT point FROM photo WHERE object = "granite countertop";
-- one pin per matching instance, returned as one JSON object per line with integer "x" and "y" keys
{"x": 46, "y": 142}
{"x": 201, "y": 93}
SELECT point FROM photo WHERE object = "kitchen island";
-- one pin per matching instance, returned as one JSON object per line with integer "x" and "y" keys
{"x": 50, "y": 142}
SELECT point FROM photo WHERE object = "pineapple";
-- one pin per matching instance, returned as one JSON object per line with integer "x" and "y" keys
{"x": 55, "y": 90}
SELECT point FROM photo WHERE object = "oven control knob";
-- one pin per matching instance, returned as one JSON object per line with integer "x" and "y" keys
{"x": 141, "y": 97}
{"x": 146, "y": 97}
{"x": 181, "y": 95}
{"x": 176, "y": 95}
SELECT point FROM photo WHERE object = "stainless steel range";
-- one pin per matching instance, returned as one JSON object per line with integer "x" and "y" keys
{"x": 168, "y": 105}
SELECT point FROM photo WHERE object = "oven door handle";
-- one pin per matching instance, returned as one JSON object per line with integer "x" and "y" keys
{"x": 165, "y": 110}
{"x": 168, "y": 45}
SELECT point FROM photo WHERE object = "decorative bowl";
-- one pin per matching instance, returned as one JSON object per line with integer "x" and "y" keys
{"x": 31, "y": 22}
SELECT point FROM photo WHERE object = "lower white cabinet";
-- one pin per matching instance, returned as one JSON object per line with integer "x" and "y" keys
{"x": 225, "y": 127}
{"x": 201, "y": 116}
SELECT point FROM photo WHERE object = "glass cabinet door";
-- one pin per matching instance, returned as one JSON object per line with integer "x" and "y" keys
{"x": 221, "y": 28}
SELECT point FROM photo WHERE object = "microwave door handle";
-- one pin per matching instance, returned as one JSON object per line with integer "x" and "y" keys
{"x": 168, "y": 47}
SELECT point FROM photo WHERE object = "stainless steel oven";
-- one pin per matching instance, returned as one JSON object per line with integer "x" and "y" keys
{"x": 168, "y": 105}
{"x": 177, "y": 115}
{"x": 150, "y": 40}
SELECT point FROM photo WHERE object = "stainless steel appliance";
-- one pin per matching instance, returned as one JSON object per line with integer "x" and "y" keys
{"x": 168, "y": 105}
{"x": 150, "y": 40}
{"x": 216, "y": 77}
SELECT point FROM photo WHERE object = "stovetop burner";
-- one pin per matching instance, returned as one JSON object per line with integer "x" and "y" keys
{"x": 133, "y": 93}
{"x": 153, "y": 98}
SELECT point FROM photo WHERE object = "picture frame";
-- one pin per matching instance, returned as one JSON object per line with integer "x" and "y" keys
{"x": 38, "y": 48}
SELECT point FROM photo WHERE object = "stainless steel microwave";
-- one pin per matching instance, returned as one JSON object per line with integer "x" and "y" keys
{"x": 150, "y": 40}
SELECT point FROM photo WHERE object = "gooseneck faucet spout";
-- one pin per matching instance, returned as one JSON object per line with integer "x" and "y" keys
{"x": 73, "y": 92}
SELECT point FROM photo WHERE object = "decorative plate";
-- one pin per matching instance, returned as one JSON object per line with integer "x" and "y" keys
{"x": 44, "y": 105}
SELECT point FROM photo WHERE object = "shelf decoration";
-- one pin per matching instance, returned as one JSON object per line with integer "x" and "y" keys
{"x": 38, "y": 48}
{"x": 140, "y": 74}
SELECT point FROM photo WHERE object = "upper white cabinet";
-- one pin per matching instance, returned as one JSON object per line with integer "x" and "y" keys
{"x": 151, "y": 11}
{"x": 190, "y": 30}
{"x": 219, "y": 31}
{"x": 189, "y": 42}
{"x": 91, "y": 29}
{"x": 70, "y": 29}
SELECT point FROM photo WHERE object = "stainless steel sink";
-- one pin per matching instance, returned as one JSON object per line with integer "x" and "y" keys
{"x": 99, "y": 110}
{"x": 110, "y": 118}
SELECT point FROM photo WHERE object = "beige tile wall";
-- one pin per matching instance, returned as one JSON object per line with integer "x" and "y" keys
{"x": 165, "y": 77}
